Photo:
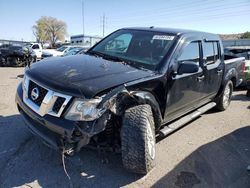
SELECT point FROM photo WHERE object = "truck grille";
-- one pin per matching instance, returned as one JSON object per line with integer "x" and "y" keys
{"x": 58, "y": 104}
{"x": 42, "y": 92}
{"x": 43, "y": 100}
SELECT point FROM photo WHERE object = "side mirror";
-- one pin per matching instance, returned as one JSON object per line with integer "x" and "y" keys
{"x": 187, "y": 67}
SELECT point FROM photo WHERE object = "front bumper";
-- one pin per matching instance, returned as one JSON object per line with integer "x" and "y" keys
{"x": 57, "y": 132}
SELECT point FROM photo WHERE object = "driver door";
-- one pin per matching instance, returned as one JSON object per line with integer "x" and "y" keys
{"x": 183, "y": 90}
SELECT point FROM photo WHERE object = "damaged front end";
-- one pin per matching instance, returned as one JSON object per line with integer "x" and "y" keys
{"x": 107, "y": 114}
{"x": 94, "y": 116}
{"x": 85, "y": 120}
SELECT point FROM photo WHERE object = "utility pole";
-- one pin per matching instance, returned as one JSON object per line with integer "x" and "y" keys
{"x": 103, "y": 24}
{"x": 83, "y": 19}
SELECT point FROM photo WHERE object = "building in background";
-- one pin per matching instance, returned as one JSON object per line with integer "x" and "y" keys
{"x": 5, "y": 43}
{"x": 84, "y": 40}
{"x": 236, "y": 42}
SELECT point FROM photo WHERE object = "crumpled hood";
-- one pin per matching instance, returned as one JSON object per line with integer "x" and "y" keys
{"x": 83, "y": 74}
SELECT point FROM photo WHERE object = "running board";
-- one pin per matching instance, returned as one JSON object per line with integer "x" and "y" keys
{"x": 181, "y": 122}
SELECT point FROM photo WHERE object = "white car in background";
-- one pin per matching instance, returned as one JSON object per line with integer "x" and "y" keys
{"x": 37, "y": 48}
{"x": 59, "y": 51}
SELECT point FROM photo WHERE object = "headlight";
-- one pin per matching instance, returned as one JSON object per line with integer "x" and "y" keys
{"x": 84, "y": 110}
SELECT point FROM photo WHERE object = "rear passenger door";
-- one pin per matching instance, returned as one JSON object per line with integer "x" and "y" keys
{"x": 212, "y": 68}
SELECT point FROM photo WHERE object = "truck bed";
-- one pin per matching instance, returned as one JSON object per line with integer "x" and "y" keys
{"x": 234, "y": 65}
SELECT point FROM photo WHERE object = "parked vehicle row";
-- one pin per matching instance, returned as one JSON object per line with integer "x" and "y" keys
{"x": 134, "y": 85}
{"x": 62, "y": 51}
{"x": 30, "y": 53}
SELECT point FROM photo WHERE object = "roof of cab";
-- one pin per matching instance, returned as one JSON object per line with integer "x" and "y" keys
{"x": 174, "y": 31}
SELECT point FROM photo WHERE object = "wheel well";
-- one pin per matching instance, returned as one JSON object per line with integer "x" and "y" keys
{"x": 131, "y": 102}
{"x": 233, "y": 79}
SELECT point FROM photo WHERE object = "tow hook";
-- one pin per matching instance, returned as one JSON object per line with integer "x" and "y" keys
{"x": 68, "y": 149}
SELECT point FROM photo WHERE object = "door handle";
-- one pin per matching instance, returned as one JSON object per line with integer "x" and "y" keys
{"x": 200, "y": 78}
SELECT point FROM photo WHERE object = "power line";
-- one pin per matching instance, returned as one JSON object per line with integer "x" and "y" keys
{"x": 201, "y": 18}
{"x": 175, "y": 17}
{"x": 194, "y": 11}
{"x": 159, "y": 9}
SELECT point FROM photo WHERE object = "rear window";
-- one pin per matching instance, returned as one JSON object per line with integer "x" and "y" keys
{"x": 35, "y": 46}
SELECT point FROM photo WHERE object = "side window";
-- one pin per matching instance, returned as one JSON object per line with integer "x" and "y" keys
{"x": 216, "y": 51}
{"x": 191, "y": 53}
{"x": 119, "y": 44}
{"x": 35, "y": 46}
{"x": 210, "y": 51}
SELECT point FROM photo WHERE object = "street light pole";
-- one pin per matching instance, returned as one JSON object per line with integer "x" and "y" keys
{"x": 83, "y": 20}
{"x": 103, "y": 24}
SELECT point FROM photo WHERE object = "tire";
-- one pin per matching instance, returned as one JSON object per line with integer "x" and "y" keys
{"x": 138, "y": 139}
{"x": 12, "y": 61}
{"x": 225, "y": 98}
{"x": 248, "y": 93}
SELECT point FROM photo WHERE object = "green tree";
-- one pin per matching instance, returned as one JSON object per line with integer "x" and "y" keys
{"x": 39, "y": 30}
{"x": 246, "y": 35}
{"x": 49, "y": 29}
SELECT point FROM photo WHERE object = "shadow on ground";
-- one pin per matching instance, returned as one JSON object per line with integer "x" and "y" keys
{"x": 240, "y": 97}
{"x": 221, "y": 163}
{"x": 25, "y": 160}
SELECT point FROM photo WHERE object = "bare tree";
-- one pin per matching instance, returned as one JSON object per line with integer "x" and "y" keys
{"x": 49, "y": 29}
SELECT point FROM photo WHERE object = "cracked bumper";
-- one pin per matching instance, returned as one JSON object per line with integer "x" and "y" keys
{"x": 58, "y": 132}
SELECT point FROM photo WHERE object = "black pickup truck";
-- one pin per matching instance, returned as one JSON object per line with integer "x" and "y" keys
{"x": 133, "y": 86}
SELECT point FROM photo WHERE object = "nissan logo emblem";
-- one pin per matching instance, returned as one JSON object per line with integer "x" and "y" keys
{"x": 34, "y": 93}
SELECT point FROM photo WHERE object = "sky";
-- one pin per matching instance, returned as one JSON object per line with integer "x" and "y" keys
{"x": 216, "y": 16}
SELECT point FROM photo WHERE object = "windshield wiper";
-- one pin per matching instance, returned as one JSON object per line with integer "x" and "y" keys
{"x": 107, "y": 57}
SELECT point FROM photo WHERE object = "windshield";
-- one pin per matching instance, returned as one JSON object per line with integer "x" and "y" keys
{"x": 138, "y": 48}
{"x": 61, "y": 49}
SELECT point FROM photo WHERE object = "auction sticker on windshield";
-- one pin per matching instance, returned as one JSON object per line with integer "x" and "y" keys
{"x": 162, "y": 37}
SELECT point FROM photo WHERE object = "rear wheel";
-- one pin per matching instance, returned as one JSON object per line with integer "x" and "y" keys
{"x": 248, "y": 93}
{"x": 225, "y": 97}
{"x": 138, "y": 139}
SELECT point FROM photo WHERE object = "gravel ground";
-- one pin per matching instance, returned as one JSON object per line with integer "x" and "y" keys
{"x": 212, "y": 151}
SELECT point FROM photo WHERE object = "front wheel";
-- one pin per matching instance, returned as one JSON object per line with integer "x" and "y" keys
{"x": 225, "y": 97}
{"x": 138, "y": 139}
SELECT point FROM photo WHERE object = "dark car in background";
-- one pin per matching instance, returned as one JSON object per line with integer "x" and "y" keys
{"x": 17, "y": 56}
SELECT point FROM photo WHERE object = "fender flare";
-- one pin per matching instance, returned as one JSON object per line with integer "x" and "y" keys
{"x": 231, "y": 74}
{"x": 145, "y": 97}
{"x": 119, "y": 99}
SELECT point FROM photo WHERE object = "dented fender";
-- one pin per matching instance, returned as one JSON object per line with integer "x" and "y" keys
{"x": 118, "y": 99}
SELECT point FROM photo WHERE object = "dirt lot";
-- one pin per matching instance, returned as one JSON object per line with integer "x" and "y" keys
{"x": 212, "y": 151}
